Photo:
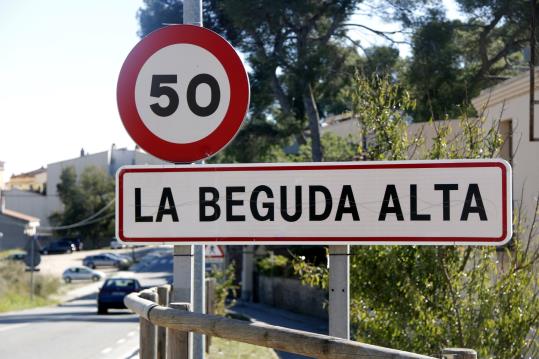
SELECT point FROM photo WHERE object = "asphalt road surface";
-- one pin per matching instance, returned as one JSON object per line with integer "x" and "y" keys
{"x": 73, "y": 329}
{"x": 70, "y": 330}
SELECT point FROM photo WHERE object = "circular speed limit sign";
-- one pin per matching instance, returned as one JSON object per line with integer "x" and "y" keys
{"x": 182, "y": 93}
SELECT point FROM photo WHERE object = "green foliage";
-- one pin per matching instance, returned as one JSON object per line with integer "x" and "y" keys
{"x": 275, "y": 266}
{"x": 336, "y": 148}
{"x": 314, "y": 276}
{"x": 452, "y": 60}
{"x": 381, "y": 106}
{"x": 15, "y": 287}
{"x": 155, "y": 13}
{"x": 435, "y": 75}
{"x": 381, "y": 61}
{"x": 423, "y": 299}
{"x": 225, "y": 287}
{"x": 88, "y": 204}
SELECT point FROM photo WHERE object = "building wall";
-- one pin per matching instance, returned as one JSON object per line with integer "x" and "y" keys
{"x": 12, "y": 233}
{"x": 290, "y": 294}
{"x": 346, "y": 127}
{"x": 122, "y": 157}
{"x": 509, "y": 102}
{"x": 43, "y": 207}
{"x": 30, "y": 203}
{"x": 54, "y": 170}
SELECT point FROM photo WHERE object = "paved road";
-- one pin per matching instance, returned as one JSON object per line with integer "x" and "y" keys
{"x": 70, "y": 330}
{"x": 73, "y": 329}
{"x": 283, "y": 318}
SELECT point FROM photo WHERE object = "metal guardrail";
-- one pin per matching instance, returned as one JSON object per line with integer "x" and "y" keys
{"x": 300, "y": 342}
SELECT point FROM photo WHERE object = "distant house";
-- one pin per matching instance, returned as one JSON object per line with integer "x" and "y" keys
{"x": 42, "y": 206}
{"x": 14, "y": 227}
{"x": 34, "y": 181}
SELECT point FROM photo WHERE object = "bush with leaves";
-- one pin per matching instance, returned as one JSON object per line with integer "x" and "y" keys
{"x": 423, "y": 299}
{"x": 275, "y": 266}
{"x": 225, "y": 288}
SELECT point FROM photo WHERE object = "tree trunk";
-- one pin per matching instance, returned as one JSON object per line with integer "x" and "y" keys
{"x": 314, "y": 123}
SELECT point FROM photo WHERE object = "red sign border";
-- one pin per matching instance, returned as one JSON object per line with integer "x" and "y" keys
{"x": 235, "y": 114}
{"x": 222, "y": 255}
{"x": 501, "y": 164}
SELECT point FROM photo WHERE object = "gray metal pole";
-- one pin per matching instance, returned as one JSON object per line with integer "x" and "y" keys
{"x": 199, "y": 299}
{"x": 339, "y": 291}
{"x": 182, "y": 288}
{"x": 247, "y": 273}
{"x": 192, "y": 14}
{"x": 32, "y": 262}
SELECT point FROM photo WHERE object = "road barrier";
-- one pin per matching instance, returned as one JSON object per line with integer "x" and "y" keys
{"x": 179, "y": 321}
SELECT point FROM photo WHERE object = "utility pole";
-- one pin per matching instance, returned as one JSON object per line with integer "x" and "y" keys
{"x": 32, "y": 266}
{"x": 533, "y": 41}
{"x": 192, "y": 290}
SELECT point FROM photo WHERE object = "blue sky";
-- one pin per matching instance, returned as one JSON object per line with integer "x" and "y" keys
{"x": 58, "y": 69}
{"x": 59, "y": 64}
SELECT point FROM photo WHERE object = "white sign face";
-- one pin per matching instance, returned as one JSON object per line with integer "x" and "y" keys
{"x": 412, "y": 202}
{"x": 173, "y": 106}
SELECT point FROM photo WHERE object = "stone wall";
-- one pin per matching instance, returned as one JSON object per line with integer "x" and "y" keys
{"x": 290, "y": 294}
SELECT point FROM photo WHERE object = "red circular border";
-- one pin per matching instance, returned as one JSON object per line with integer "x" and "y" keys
{"x": 237, "y": 108}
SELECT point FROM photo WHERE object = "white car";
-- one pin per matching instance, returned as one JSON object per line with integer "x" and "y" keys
{"x": 82, "y": 273}
{"x": 115, "y": 244}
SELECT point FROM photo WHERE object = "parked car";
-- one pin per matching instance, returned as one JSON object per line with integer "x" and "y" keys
{"x": 105, "y": 260}
{"x": 116, "y": 244}
{"x": 125, "y": 260}
{"x": 112, "y": 294}
{"x": 82, "y": 273}
{"x": 74, "y": 241}
{"x": 58, "y": 247}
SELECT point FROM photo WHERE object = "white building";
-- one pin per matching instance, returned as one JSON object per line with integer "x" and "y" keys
{"x": 508, "y": 103}
{"x": 43, "y": 205}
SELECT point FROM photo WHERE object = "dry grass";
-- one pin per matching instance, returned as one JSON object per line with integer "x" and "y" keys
{"x": 222, "y": 348}
{"x": 15, "y": 287}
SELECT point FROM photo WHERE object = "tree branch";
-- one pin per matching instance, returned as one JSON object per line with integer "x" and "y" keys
{"x": 384, "y": 34}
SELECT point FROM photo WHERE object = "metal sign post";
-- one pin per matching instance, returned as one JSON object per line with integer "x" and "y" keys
{"x": 182, "y": 280}
{"x": 192, "y": 14}
{"x": 247, "y": 273}
{"x": 339, "y": 291}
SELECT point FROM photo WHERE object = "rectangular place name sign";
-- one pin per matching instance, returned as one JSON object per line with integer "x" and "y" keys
{"x": 409, "y": 202}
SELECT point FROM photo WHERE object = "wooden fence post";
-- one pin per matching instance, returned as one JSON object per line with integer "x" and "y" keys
{"x": 178, "y": 341}
{"x": 458, "y": 353}
{"x": 147, "y": 331}
{"x": 162, "y": 299}
{"x": 210, "y": 304}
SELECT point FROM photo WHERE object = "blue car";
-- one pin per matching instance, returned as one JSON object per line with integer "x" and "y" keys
{"x": 112, "y": 294}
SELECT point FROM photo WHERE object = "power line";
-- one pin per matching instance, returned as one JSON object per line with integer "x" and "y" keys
{"x": 86, "y": 221}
